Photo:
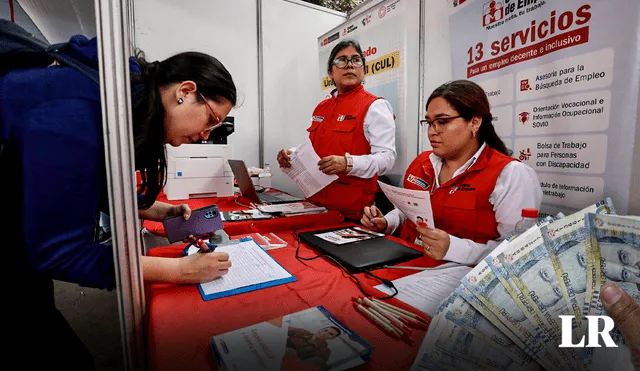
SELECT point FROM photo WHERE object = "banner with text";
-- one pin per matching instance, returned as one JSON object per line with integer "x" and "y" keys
{"x": 382, "y": 37}
{"x": 562, "y": 80}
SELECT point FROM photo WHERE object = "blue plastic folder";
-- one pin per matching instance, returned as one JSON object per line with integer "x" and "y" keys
{"x": 261, "y": 254}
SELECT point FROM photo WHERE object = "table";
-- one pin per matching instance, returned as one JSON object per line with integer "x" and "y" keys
{"x": 181, "y": 323}
{"x": 234, "y": 203}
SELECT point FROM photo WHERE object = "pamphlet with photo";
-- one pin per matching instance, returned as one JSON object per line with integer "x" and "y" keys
{"x": 348, "y": 235}
{"x": 311, "y": 339}
{"x": 238, "y": 215}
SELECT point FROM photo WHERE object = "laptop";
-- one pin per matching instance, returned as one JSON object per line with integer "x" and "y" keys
{"x": 361, "y": 255}
{"x": 248, "y": 190}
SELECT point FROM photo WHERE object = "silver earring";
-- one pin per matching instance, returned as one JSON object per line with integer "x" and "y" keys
{"x": 180, "y": 100}
{"x": 474, "y": 134}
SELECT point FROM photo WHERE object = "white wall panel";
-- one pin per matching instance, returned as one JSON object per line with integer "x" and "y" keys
{"x": 20, "y": 17}
{"x": 224, "y": 29}
{"x": 58, "y": 20}
{"x": 437, "y": 53}
{"x": 290, "y": 32}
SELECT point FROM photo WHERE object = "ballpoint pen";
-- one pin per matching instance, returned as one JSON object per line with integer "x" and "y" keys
{"x": 376, "y": 321}
{"x": 401, "y": 311}
{"x": 208, "y": 247}
{"x": 393, "y": 317}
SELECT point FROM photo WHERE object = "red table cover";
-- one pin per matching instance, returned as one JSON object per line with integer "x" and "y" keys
{"x": 181, "y": 323}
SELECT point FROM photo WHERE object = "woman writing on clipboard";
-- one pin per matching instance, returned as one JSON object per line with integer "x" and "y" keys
{"x": 51, "y": 142}
{"x": 477, "y": 190}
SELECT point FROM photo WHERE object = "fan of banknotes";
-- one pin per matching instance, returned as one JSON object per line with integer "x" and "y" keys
{"x": 505, "y": 315}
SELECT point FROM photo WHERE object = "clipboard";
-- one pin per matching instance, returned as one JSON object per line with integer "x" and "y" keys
{"x": 287, "y": 277}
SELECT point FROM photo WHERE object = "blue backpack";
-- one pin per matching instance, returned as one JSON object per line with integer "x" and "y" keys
{"x": 20, "y": 49}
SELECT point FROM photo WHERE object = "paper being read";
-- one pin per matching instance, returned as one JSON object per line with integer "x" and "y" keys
{"x": 304, "y": 170}
{"x": 414, "y": 204}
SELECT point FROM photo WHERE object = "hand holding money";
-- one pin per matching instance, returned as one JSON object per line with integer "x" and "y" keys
{"x": 626, "y": 315}
{"x": 435, "y": 241}
{"x": 584, "y": 264}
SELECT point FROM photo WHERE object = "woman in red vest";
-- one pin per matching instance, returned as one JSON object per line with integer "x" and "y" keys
{"x": 353, "y": 133}
{"x": 477, "y": 190}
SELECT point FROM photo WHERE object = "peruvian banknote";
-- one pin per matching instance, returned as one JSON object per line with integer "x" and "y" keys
{"x": 565, "y": 243}
{"x": 429, "y": 356}
{"x": 614, "y": 245}
{"x": 487, "y": 314}
{"x": 464, "y": 315}
{"x": 456, "y": 344}
{"x": 488, "y": 289}
{"x": 531, "y": 270}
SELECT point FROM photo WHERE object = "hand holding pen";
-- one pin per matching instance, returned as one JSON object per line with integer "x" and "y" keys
{"x": 204, "y": 246}
{"x": 373, "y": 219}
{"x": 203, "y": 266}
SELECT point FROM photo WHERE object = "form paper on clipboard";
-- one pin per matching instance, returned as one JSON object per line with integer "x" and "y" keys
{"x": 416, "y": 205}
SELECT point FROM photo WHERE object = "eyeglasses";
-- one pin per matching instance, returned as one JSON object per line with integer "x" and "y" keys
{"x": 216, "y": 119}
{"x": 342, "y": 62}
{"x": 439, "y": 123}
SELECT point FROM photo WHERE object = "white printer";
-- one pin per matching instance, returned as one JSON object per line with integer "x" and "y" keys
{"x": 201, "y": 169}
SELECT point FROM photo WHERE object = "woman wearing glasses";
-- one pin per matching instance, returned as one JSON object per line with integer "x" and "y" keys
{"x": 353, "y": 132}
{"x": 477, "y": 190}
{"x": 51, "y": 143}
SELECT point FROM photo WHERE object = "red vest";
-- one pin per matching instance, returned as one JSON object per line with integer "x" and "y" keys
{"x": 337, "y": 127}
{"x": 460, "y": 206}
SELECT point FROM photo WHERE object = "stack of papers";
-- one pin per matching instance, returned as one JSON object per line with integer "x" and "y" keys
{"x": 292, "y": 209}
{"x": 426, "y": 290}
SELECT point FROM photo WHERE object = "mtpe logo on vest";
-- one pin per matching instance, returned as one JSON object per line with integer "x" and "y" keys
{"x": 593, "y": 322}
{"x": 317, "y": 118}
{"x": 492, "y": 12}
{"x": 346, "y": 117}
{"x": 462, "y": 187}
{"x": 417, "y": 181}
